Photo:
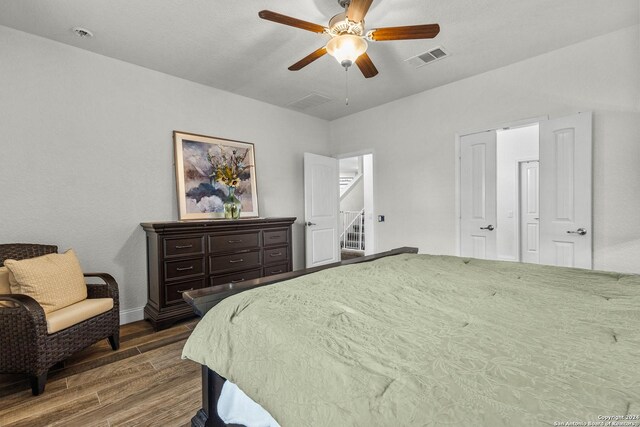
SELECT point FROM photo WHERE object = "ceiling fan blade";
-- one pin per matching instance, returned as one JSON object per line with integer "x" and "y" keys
{"x": 308, "y": 59}
{"x": 292, "y": 22}
{"x": 358, "y": 9}
{"x": 366, "y": 66}
{"x": 427, "y": 31}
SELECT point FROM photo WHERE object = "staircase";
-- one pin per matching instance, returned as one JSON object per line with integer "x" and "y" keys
{"x": 345, "y": 181}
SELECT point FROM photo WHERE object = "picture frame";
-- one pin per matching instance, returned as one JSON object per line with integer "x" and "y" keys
{"x": 207, "y": 169}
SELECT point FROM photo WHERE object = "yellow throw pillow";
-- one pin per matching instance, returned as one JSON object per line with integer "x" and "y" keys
{"x": 5, "y": 287}
{"x": 55, "y": 280}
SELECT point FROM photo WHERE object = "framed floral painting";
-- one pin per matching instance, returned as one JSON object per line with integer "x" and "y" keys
{"x": 215, "y": 177}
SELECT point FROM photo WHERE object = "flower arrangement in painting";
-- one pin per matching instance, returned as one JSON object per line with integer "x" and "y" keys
{"x": 228, "y": 169}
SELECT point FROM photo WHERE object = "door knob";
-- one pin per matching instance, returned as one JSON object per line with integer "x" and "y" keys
{"x": 309, "y": 224}
{"x": 581, "y": 231}
{"x": 488, "y": 227}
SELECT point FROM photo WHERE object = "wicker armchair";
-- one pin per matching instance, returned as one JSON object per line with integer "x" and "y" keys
{"x": 25, "y": 345}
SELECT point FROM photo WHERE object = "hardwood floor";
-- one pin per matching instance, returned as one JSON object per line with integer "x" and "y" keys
{"x": 144, "y": 383}
{"x": 348, "y": 254}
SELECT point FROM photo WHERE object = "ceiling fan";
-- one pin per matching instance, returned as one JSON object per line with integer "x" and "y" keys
{"x": 348, "y": 42}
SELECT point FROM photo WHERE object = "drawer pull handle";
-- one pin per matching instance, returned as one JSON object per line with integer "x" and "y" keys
{"x": 183, "y": 246}
{"x": 276, "y": 272}
{"x": 233, "y": 261}
{"x": 275, "y": 237}
{"x": 234, "y": 241}
{"x": 274, "y": 255}
{"x": 186, "y": 290}
{"x": 184, "y": 268}
{"x": 236, "y": 281}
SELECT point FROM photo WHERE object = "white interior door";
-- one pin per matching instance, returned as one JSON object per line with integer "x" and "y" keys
{"x": 478, "y": 195}
{"x": 565, "y": 182}
{"x": 321, "y": 206}
{"x": 530, "y": 212}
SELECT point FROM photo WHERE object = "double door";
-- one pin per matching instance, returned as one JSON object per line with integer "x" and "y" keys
{"x": 565, "y": 204}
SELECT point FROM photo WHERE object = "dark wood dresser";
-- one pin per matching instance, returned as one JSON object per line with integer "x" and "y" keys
{"x": 184, "y": 256}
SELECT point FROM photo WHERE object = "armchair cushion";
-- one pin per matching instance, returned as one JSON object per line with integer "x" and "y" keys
{"x": 5, "y": 287}
{"x": 55, "y": 280}
{"x": 76, "y": 313}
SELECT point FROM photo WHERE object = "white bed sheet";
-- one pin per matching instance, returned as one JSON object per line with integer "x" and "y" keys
{"x": 235, "y": 407}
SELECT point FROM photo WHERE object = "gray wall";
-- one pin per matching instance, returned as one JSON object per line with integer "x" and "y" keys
{"x": 87, "y": 153}
{"x": 414, "y": 142}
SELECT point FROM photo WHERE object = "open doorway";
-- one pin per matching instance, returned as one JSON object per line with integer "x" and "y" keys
{"x": 356, "y": 206}
{"x": 517, "y": 157}
{"x": 500, "y": 194}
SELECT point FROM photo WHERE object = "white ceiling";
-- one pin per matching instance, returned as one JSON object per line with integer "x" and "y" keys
{"x": 225, "y": 45}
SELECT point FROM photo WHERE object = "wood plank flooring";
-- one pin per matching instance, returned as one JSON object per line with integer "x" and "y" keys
{"x": 347, "y": 254}
{"x": 144, "y": 383}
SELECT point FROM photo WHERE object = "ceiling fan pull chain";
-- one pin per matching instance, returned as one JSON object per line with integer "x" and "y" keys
{"x": 346, "y": 85}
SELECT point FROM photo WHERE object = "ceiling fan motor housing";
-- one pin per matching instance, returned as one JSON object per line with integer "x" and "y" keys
{"x": 340, "y": 24}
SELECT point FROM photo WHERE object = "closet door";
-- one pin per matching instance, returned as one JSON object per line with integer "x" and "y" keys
{"x": 565, "y": 188}
{"x": 530, "y": 212}
{"x": 478, "y": 195}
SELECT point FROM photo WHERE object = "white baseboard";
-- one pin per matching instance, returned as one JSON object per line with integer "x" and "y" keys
{"x": 131, "y": 315}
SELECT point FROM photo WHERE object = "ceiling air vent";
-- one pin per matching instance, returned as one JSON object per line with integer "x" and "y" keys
{"x": 309, "y": 101}
{"x": 82, "y": 32}
{"x": 427, "y": 57}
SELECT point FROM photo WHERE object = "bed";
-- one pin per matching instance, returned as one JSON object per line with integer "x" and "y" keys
{"x": 408, "y": 339}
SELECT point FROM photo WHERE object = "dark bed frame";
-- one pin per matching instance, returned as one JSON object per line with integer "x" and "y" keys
{"x": 203, "y": 299}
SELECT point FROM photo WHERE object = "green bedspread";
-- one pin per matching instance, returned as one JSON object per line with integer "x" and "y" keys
{"x": 414, "y": 340}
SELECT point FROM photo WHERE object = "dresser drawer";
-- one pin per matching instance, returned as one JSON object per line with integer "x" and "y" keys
{"x": 178, "y": 269}
{"x": 276, "y": 237}
{"x": 173, "y": 293}
{"x": 230, "y": 242}
{"x": 276, "y": 255}
{"x": 276, "y": 269}
{"x": 235, "y": 277}
{"x": 183, "y": 246}
{"x": 239, "y": 261}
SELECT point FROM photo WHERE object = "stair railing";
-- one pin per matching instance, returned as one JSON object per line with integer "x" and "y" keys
{"x": 352, "y": 236}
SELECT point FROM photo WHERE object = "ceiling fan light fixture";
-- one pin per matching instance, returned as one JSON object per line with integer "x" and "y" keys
{"x": 346, "y": 48}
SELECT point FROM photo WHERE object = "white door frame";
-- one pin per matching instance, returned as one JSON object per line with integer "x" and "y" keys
{"x": 370, "y": 218}
{"x": 458, "y": 135}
